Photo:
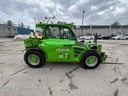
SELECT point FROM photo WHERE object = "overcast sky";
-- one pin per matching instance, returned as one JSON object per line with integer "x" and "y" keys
{"x": 97, "y": 12}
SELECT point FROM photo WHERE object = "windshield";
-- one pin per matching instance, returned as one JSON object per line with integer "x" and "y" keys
{"x": 59, "y": 32}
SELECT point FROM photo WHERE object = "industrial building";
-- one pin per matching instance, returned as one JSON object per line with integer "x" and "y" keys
{"x": 7, "y": 31}
{"x": 11, "y": 31}
{"x": 101, "y": 29}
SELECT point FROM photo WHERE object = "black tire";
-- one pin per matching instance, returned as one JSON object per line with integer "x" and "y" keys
{"x": 39, "y": 56}
{"x": 85, "y": 64}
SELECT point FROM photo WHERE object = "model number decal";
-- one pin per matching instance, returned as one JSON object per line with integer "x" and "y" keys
{"x": 61, "y": 56}
{"x": 62, "y": 49}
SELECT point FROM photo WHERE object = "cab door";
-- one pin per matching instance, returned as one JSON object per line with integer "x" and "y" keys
{"x": 58, "y": 44}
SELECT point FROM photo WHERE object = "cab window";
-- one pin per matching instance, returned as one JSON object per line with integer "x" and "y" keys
{"x": 59, "y": 32}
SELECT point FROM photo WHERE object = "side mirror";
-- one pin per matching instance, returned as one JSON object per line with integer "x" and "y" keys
{"x": 42, "y": 37}
{"x": 95, "y": 39}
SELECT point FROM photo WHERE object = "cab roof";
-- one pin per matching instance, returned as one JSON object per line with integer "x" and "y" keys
{"x": 43, "y": 25}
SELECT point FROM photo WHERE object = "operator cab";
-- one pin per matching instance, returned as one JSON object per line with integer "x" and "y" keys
{"x": 58, "y": 32}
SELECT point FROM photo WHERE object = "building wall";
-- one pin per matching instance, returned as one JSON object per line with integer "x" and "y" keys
{"x": 101, "y": 30}
{"x": 11, "y": 31}
{"x": 6, "y": 31}
{"x": 23, "y": 30}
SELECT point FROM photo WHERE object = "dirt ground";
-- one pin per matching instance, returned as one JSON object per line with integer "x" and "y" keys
{"x": 63, "y": 79}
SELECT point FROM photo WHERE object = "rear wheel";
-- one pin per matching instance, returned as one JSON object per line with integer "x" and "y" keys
{"x": 91, "y": 60}
{"x": 34, "y": 58}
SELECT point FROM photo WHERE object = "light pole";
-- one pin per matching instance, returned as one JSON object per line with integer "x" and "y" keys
{"x": 35, "y": 23}
{"x": 82, "y": 22}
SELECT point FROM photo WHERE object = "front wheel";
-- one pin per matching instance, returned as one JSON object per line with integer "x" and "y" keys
{"x": 34, "y": 59}
{"x": 91, "y": 60}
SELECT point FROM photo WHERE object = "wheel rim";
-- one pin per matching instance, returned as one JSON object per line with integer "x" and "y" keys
{"x": 91, "y": 61}
{"x": 33, "y": 59}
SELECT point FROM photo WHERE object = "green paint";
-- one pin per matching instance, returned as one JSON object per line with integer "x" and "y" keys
{"x": 34, "y": 59}
{"x": 91, "y": 60}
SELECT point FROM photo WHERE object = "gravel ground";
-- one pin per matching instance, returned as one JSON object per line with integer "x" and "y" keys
{"x": 63, "y": 79}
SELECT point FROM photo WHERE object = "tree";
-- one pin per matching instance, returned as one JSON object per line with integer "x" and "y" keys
{"x": 116, "y": 23}
{"x": 28, "y": 27}
{"x": 9, "y": 22}
{"x": 22, "y": 25}
{"x": 19, "y": 24}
